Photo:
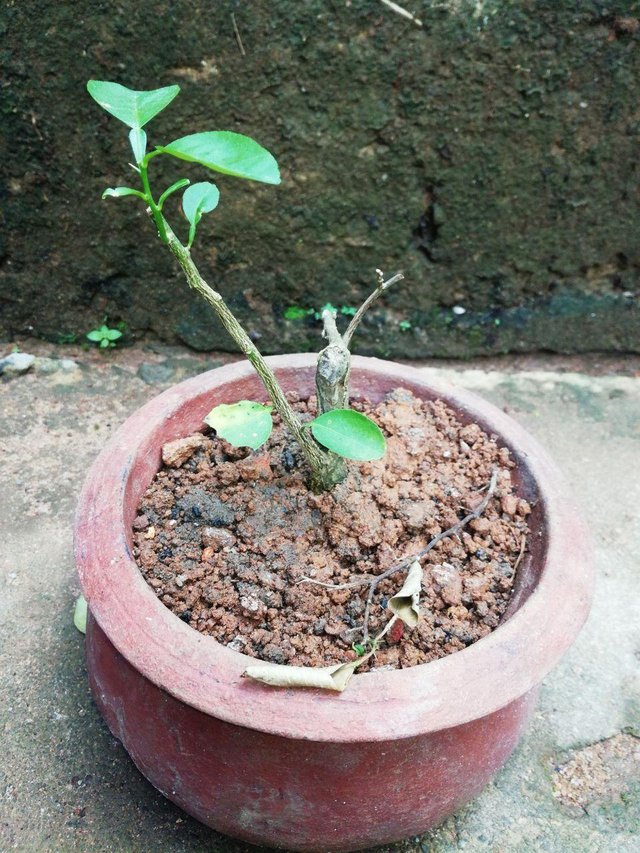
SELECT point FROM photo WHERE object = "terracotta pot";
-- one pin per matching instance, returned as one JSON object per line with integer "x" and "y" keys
{"x": 395, "y": 753}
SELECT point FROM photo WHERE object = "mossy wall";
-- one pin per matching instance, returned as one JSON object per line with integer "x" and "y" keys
{"x": 491, "y": 154}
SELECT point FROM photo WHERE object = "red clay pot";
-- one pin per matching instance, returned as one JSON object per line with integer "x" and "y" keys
{"x": 395, "y": 753}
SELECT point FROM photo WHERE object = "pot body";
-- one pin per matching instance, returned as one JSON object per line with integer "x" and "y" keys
{"x": 394, "y": 754}
{"x": 291, "y": 793}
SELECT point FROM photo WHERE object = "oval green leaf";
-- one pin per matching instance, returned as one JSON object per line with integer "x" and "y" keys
{"x": 227, "y": 152}
{"x": 117, "y": 192}
{"x": 349, "y": 434}
{"x": 133, "y": 108}
{"x": 198, "y": 199}
{"x": 243, "y": 424}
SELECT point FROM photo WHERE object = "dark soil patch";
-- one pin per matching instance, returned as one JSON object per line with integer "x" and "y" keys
{"x": 225, "y": 537}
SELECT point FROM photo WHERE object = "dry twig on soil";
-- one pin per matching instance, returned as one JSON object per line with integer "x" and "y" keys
{"x": 236, "y": 32}
{"x": 372, "y": 582}
{"x": 404, "y": 13}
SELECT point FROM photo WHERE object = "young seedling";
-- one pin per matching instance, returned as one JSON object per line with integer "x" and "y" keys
{"x": 104, "y": 336}
{"x": 338, "y": 433}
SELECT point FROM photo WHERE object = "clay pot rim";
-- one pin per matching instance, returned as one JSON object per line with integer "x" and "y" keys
{"x": 386, "y": 705}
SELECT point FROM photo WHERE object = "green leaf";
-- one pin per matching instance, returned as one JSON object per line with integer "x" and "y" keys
{"x": 349, "y": 434}
{"x": 133, "y": 108}
{"x": 117, "y": 192}
{"x": 104, "y": 343}
{"x": 80, "y": 615}
{"x": 112, "y": 334}
{"x": 198, "y": 199}
{"x": 138, "y": 140}
{"x": 293, "y": 312}
{"x": 243, "y": 424}
{"x": 95, "y": 335}
{"x": 226, "y": 152}
{"x": 183, "y": 182}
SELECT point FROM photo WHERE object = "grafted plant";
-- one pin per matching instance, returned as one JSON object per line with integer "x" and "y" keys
{"x": 338, "y": 432}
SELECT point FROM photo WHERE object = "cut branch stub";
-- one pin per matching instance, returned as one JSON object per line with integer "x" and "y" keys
{"x": 332, "y": 369}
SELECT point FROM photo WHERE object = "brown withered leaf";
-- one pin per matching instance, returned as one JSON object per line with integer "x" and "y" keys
{"x": 405, "y": 604}
{"x": 333, "y": 677}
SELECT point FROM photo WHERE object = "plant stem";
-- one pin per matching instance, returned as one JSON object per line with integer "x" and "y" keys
{"x": 158, "y": 218}
{"x": 326, "y": 469}
{"x": 362, "y": 310}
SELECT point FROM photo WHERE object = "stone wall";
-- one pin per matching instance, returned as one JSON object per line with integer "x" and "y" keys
{"x": 491, "y": 154}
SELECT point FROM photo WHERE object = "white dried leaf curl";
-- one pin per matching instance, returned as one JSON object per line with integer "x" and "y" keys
{"x": 333, "y": 677}
{"x": 405, "y": 604}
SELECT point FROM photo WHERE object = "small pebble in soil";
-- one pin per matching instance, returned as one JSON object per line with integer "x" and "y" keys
{"x": 288, "y": 460}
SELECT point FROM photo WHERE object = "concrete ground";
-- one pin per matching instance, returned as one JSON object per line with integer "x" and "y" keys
{"x": 573, "y": 784}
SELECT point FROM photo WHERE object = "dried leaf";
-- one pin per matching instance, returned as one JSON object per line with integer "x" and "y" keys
{"x": 333, "y": 677}
{"x": 80, "y": 615}
{"x": 405, "y": 604}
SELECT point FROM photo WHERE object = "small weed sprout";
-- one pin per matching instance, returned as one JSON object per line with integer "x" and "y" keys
{"x": 67, "y": 338}
{"x": 104, "y": 336}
